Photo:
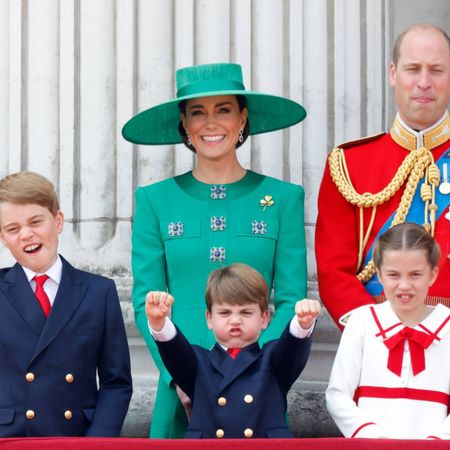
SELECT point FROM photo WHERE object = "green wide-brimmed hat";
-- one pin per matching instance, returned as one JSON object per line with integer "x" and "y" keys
{"x": 159, "y": 124}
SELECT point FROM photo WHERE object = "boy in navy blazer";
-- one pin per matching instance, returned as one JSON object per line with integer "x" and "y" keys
{"x": 51, "y": 355}
{"x": 237, "y": 389}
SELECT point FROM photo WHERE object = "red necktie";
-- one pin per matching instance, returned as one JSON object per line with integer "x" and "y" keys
{"x": 233, "y": 352}
{"x": 418, "y": 341}
{"x": 41, "y": 295}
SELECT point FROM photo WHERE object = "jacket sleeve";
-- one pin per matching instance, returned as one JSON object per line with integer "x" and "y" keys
{"x": 336, "y": 247}
{"x": 290, "y": 270}
{"x": 181, "y": 362}
{"x": 148, "y": 265}
{"x": 344, "y": 380}
{"x": 114, "y": 372}
{"x": 289, "y": 357}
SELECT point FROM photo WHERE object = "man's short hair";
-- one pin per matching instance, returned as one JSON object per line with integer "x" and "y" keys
{"x": 401, "y": 36}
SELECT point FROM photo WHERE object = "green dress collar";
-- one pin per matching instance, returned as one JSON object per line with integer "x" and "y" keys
{"x": 205, "y": 191}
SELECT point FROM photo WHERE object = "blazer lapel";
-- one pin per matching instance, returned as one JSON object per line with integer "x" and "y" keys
{"x": 70, "y": 293}
{"x": 219, "y": 359}
{"x": 19, "y": 293}
{"x": 231, "y": 369}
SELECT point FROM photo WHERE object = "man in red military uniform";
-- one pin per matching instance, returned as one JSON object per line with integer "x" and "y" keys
{"x": 373, "y": 183}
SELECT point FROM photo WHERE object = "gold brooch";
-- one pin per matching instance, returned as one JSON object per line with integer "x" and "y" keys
{"x": 266, "y": 201}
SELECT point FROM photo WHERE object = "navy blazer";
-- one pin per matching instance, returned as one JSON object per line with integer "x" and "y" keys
{"x": 245, "y": 397}
{"x": 49, "y": 367}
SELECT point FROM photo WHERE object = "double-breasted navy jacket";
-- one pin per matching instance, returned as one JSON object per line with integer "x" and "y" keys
{"x": 245, "y": 397}
{"x": 49, "y": 366}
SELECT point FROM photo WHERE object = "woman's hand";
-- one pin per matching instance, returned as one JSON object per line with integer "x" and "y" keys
{"x": 157, "y": 307}
{"x": 185, "y": 401}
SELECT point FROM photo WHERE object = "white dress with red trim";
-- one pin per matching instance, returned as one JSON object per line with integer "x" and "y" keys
{"x": 389, "y": 380}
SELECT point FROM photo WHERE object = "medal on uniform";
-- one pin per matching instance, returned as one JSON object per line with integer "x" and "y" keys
{"x": 444, "y": 187}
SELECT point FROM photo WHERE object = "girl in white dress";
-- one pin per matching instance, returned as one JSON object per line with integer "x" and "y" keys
{"x": 391, "y": 375}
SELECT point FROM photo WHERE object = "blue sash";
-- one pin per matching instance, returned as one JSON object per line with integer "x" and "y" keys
{"x": 415, "y": 214}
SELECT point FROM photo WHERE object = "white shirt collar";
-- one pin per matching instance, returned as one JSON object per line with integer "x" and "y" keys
{"x": 54, "y": 271}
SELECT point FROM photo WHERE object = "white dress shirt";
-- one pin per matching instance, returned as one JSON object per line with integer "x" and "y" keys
{"x": 52, "y": 284}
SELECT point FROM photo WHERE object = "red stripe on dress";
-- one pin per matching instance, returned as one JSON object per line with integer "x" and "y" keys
{"x": 375, "y": 317}
{"x": 382, "y": 332}
{"x": 442, "y": 325}
{"x": 407, "y": 393}
{"x": 435, "y": 336}
{"x": 361, "y": 427}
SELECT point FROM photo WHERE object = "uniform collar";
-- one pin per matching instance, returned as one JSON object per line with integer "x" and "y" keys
{"x": 429, "y": 138}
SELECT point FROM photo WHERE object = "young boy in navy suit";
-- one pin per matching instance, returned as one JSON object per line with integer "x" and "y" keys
{"x": 60, "y": 327}
{"x": 237, "y": 388}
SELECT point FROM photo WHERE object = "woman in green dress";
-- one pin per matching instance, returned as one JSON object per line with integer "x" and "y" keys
{"x": 215, "y": 215}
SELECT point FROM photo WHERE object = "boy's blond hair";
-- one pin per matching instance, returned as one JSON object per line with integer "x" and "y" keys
{"x": 25, "y": 188}
{"x": 237, "y": 284}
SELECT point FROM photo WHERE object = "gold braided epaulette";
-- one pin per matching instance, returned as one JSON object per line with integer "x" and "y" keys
{"x": 418, "y": 163}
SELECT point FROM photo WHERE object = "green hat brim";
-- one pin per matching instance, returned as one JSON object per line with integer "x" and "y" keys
{"x": 159, "y": 125}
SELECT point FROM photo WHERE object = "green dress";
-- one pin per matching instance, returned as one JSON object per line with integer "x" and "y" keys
{"x": 184, "y": 229}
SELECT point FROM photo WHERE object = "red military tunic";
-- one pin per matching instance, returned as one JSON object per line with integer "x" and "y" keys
{"x": 372, "y": 164}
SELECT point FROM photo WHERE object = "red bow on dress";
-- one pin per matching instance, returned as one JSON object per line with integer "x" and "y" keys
{"x": 418, "y": 341}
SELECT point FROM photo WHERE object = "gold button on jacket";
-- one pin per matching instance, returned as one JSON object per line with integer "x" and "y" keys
{"x": 29, "y": 377}
{"x": 68, "y": 414}
{"x": 221, "y": 401}
{"x": 248, "y": 398}
{"x": 248, "y": 432}
{"x": 69, "y": 378}
{"x": 220, "y": 433}
{"x": 30, "y": 414}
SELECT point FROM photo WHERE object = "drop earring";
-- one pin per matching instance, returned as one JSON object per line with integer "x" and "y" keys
{"x": 241, "y": 135}
{"x": 188, "y": 139}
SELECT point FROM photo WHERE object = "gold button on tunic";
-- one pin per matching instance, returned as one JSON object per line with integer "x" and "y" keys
{"x": 248, "y": 432}
{"x": 221, "y": 401}
{"x": 30, "y": 414}
{"x": 68, "y": 414}
{"x": 220, "y": 433}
